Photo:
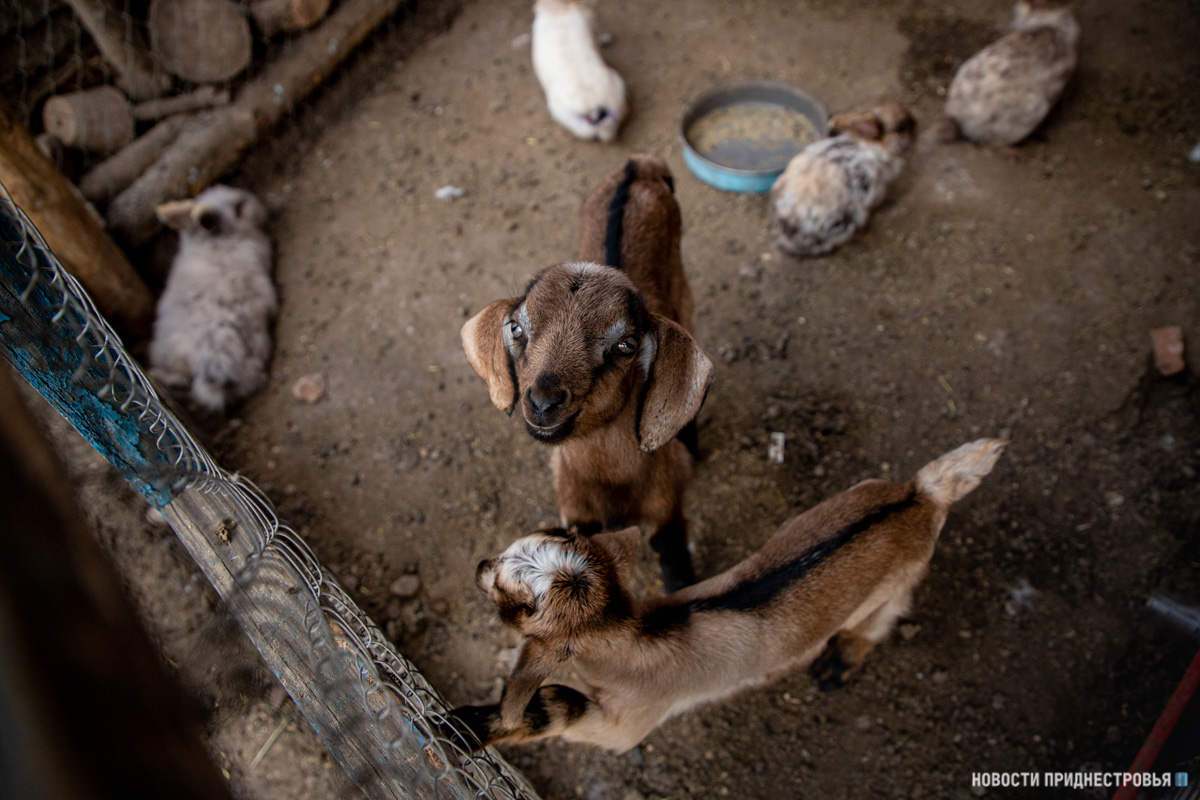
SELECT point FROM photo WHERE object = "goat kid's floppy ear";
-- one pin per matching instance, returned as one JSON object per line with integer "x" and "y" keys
{"x": 677, "y": 381}
{"x": 620, "y": 545}
{"x": 483, "y": 342}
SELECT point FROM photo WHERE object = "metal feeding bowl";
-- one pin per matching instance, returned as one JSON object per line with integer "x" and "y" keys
{"x": 740, "y": 136}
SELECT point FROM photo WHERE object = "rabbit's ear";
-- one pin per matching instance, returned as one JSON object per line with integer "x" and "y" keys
{"x": 868, "y": 128}
{"x": 857, "y": 124}
{"x": 176, "y": 214}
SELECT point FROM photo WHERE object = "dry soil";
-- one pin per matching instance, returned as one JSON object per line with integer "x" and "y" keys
{"x": 992, "y": 294}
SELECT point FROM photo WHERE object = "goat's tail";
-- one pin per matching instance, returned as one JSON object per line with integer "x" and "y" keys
{"x": 616, "y": 216}
{"x": 948, "y": 479}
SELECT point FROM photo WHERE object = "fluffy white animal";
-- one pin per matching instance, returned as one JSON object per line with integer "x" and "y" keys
{"x": 214, "y": 316}
{"x": 829, "y": 188}
{"x": 1003, "y": 92}
{"x": 582, "y": 92}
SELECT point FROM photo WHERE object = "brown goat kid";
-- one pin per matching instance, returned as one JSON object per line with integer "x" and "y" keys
{"x": 824, "y": 590}
{"x": 602, "y": 363}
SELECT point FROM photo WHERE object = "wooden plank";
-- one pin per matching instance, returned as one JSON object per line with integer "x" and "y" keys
{"x": 273, "y": 610}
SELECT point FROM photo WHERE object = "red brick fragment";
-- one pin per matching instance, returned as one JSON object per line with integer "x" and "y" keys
{"x": 1168, "y": 349}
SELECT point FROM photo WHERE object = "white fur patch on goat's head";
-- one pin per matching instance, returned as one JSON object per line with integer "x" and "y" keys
{"x": 559, "y": 582}
{"x": 535, "y": 562}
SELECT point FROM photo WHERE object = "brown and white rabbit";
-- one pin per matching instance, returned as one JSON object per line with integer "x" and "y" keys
{"x": 829, "y": 188}
{"x": 582, "y": 92}
{"x": 1003, "y": 92}
{"x": 214, "y": 316}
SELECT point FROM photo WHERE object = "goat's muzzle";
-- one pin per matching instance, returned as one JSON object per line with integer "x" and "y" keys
{"x": 546, "y": 407}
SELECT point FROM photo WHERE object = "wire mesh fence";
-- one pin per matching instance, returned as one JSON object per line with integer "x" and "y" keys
{"x": 375, "y": 712}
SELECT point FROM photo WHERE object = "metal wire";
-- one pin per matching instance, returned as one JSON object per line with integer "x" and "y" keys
{"x": 346, "y": 651}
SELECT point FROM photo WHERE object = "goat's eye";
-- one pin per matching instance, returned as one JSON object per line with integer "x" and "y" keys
{"x": 515, "y": 330}
{"x": 627, "y": 347}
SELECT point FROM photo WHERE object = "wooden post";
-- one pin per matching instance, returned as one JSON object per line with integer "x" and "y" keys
{"x": 210, "y": 147}
{"x": 277, "y": 16}
{"x": 113, "y": 175}
{"x": 72, "y": 233}
{"x": 136, "y": 73}
{"x": 203, "y": 41}
{"x": 99, "y": 120}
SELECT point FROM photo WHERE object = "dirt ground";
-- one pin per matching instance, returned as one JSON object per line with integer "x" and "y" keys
{"x": 993, "y": 294}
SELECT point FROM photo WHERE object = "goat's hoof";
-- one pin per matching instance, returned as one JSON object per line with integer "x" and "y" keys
{"x": 830, "y": 671}
{"x": 676, "y": 576}
{"x": 472, "y": 727}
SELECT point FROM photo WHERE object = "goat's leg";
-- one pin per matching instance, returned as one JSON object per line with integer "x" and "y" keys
{"x": 846, "y": 651}
{"x": 550, "y": 712}
{"x": 671, "y": 544}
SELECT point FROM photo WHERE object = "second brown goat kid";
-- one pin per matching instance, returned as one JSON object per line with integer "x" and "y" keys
{"x": 599, "y": 357}
{"x": 823, "y": 591}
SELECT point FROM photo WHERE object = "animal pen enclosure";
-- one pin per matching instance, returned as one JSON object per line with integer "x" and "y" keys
{"x": 989, "y": 294}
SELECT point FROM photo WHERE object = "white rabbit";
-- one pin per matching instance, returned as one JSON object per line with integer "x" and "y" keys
{"x": 1003, "y": 92}
{"x": 829, "y": 188}
{"x": 582, "y": 92}
{"x": 214, "y": 316}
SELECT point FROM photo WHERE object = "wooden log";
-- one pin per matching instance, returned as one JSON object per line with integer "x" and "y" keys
{"x": 100, "y": 120}
{"x": 203, "y": 41}
{"x": 204, "y": 97}
{"x": 135, "y": 72}
{"x": 207, "y": 149}
{"x": 277, "y": 16}
{"x": 113, "y": 175}
{"x": 73, "y": 234}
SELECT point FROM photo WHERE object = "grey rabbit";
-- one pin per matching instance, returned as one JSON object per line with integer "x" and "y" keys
{"x": 1003, "y": 92}
{"x": 828, "y": 190}
{"x": 214, "y": 316}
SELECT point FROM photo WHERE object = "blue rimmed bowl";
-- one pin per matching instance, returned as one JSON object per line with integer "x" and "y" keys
{"x": 738, "y": 137}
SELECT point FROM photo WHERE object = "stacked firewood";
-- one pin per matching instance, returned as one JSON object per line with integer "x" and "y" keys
{"x": 161, "y": 106}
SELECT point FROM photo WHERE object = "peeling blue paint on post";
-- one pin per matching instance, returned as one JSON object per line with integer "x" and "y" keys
{"x": 45, "y": 353}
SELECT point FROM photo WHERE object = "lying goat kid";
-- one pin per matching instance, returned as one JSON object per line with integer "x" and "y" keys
{"x": 602, "y": 364}
{"x": 829, "y": 583}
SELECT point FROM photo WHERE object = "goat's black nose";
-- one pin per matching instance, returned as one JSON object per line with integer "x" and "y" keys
{"x": 547, "y": 395}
